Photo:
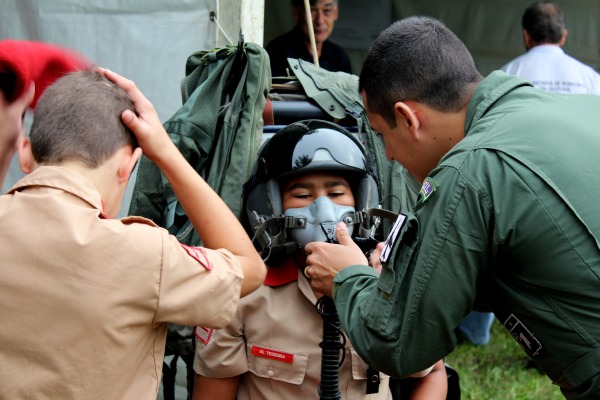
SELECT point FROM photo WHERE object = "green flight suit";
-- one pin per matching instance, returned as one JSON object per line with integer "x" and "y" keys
{"x": 509, "y": 217}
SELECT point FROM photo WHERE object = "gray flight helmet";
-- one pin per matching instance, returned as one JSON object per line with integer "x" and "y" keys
{"x": 301, "y": 147}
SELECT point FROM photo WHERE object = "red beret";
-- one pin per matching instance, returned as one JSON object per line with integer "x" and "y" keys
{"x": 25, "y": 61}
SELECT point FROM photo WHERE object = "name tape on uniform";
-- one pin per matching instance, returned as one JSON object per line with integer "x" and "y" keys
{"x": 272, "y": 354}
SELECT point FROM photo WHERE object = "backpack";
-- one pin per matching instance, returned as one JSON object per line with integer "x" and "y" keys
{"x": 218, "y": 130}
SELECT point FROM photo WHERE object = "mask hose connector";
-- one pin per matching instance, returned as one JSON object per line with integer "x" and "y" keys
{"x": 333, "y": 341}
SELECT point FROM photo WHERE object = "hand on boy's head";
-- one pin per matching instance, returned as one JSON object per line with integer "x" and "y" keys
{"x": 144, "y": 123}
{"x": 325, "y": 260}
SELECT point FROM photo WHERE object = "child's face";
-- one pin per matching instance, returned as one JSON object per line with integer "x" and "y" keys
{"x": 304, "y": 190}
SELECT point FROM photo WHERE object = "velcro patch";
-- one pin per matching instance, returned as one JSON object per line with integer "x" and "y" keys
{"x": 391, "y": 239}
{"x": 198, "y": 254}
{"x": 203, "y": 334}
{"x": 272, "y": 354}
{"x": 523, "y": 336}
{"x": 429, "y": 186}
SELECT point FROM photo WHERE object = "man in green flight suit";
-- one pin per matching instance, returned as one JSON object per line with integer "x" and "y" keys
{"x": 506, "y": 217}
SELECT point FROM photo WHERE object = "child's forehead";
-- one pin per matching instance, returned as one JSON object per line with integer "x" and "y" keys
{"x": 314, "y": 178}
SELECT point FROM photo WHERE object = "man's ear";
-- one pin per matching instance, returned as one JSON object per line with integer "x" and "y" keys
{"x": 26, "y": 161}
{"x": 563, "y": 39}
{"x": 127, "y": 164}
{"x": 336, "y": 13}
{"x": 405, "y": 114}
{"x": 527, "y": 40}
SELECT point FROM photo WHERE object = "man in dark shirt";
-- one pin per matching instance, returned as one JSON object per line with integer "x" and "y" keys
{"x": 296, "y": 43}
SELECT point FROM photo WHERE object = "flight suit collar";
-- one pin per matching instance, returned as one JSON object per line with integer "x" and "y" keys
{"x": 64, "y": 179}
{"x": 489, "y": 91}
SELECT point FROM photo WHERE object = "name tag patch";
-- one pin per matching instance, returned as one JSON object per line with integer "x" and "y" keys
{"x": 272, "y": 354}
{"x": 523, "y": 336}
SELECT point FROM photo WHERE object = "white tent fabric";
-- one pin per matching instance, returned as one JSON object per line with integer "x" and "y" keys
{"x": 147, "y": 41}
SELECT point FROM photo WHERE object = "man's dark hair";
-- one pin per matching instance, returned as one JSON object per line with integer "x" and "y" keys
{"x": 79, "y": 118}
{"x": 544, "y": 21}
{"x": 419, "y": 59}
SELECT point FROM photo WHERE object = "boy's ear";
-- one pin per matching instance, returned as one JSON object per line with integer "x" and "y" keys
{"x": 26, "y": 161}
{"x": 127, "y": 164}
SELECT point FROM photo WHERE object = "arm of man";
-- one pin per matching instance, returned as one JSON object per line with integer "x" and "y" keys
{"x": 11, "y": 125}
{"x": 403, "y": 321}
{"x": 215, "y": 388}
{"x": 211, "y": 217}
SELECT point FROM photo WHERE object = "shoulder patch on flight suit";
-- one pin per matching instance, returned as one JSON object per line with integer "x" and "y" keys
{"x": 203, "y": 334}
{"x": 429, "y": 186}
{"x": 198, "y": 254}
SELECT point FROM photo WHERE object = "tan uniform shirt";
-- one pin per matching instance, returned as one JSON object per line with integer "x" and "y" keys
{"x": 273, "y": 342}
{"x": 86, "y": 299}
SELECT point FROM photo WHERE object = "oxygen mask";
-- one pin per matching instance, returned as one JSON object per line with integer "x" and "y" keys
{"x": 318, "y": 221}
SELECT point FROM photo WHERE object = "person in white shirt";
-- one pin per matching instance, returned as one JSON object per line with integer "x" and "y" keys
{"x": 545, "y": 63}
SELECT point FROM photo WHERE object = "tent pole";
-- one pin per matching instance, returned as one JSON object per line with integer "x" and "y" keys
{"x": 311, "y": 32}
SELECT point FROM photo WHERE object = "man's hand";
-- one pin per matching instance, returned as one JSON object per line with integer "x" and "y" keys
{"x": 375, "y": 257}
{"x": 325, "y": 260}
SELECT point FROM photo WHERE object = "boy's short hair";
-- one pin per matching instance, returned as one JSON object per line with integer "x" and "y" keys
{"x": 79, "y": 118}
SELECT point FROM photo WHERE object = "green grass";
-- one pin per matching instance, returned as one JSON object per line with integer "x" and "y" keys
{"x": 499, "y": 370}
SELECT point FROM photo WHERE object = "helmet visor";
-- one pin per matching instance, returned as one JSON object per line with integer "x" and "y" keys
{"x": 320, "y": 149}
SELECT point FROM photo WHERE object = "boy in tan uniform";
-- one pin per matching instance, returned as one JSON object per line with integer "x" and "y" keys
{"x": 88, "y": 298}
{"x": 317, "y": 173}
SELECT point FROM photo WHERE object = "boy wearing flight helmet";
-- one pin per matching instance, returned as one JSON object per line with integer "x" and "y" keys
{"x": 308, "y": 176}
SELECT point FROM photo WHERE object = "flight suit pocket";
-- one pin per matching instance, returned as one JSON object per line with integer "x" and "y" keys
{"x": 382, "y": 312}
{"x": 280, "y": 365}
